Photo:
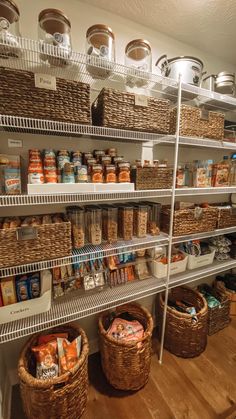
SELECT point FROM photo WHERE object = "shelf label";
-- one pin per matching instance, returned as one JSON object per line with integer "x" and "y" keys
{"x": 15, "y": 143}
{"x": 204, "y": 114}
{"x": 141, "y": 100}
{"x": 26, "y": 233}
{"x": 45, "y": 81}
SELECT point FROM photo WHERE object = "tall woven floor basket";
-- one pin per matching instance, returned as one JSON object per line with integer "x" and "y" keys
{"x": 184, "y": 336}
{"x": 126, "y": 365}
{"x": 63, "y": 397}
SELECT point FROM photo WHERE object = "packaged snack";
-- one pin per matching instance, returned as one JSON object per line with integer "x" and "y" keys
{"x": 89, "y": 282}
{"x": 8, "y": 290}
{"x": 125, "y": 330}
{"x": 58, "y": 291}
{"x": 46, "y": 356}
{"x": 56, "y": 274}
{"x": 64, "y": 274}
{"x": 34, "y": 285}
{"x": 53, "y": 336}
{"x": 10, "y": 175}
{"x": 22, "y": 288}
{"x": 68, "y": 353}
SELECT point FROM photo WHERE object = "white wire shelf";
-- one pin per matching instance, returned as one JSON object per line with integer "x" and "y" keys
{"x": 205, "y": 235}
{"x": 87, "y": 253}
{"x": 205, "y": 191}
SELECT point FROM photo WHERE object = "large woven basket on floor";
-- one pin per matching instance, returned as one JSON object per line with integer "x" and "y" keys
{"x": 70, "y": 102}
{"x": 219, "y": 316}
{"x": 184, "y": 337}
{"x": 152, "y": 177}
{"x": 116, "y": 109}
{"x": 64, "y": 397}
{"x": 126, "y": 365}
{"x": 196, "y": 123}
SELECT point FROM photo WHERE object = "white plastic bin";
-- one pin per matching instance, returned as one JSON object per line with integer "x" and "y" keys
{"x": 199, "y": 261}
{"x": 159, "y": 270}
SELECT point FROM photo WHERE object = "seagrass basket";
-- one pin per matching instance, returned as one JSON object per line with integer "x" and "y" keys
{"x": 197, "y": 123}
{"x": 116, "y": 109}
{"x": 70, "y": 102}
{"x": 126, "y": 365}
{"x": 62, "y": 397}
{"x": 189, "y": 221}
{"x": 152, "y": 177}
{"x": 184, "y": 337}
{"x": 227, "y": 216}
{"x": 219, "y": 316}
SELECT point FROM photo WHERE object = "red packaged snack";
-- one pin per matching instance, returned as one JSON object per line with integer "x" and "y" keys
{"x": 53, "y": 336}
{"x": 69, "y": 353}
{"x": 47, "y": 360}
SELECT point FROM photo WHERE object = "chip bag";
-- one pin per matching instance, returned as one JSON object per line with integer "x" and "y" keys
{"x": 69, "y": 353}
{"x": 47, "y": 360}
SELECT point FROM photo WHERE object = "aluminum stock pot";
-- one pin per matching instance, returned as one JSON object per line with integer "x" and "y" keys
{"x": 190, "y": 68}
{"x": 225, "y": 83}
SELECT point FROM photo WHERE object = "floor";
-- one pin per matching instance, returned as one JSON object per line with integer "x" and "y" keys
{"x": 199, "y": 388}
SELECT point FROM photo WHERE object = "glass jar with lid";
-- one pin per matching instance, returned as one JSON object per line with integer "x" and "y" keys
{"x": 9, "y": 29}
{"x": 110, "y": 173}
{"x": 124, "y": 172}
{"x": 100, "y": 43}
{"x": 109, "y": 223}
{"x": 76, "y": 217}
{"x": 55, "y": 35}
{"x": 94, "y": 224}
{"x": 138, "y": 57}
{"x": 97, "y": 173}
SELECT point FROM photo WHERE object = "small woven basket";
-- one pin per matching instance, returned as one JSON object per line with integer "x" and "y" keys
{"x": 218, "y": 317}
{"x": 116, "y": 109}
{"x": 62, "y": 397}
{"x": 126, "y": 365}
{"x": 152, "y": 178}
{"x": 227, "y": 217}
{"x": 183, "y": 336}
{"x": 193, "y": 123}
{"x": 70, "y": 102}
{"x": 190, "y": 221}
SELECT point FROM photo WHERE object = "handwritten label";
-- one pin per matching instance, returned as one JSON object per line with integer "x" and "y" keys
{"x": 45, "y": 81}
{"x": 141, "y": 100}
{"x": 26, "y": 233}
{"x": 15, "y": 143}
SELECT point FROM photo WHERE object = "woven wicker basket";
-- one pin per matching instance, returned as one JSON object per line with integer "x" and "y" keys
{"x": 189, "y": 221}
{"x": 126, "y": 365}
{"x": 227, "y": 217}
{"x": 152, "y": 177}
{"x": 218, "y": 317}
{"x": 70, "y": 102}
{"x": 183, "y": 336}
{"x": 62, "y": 397}
{"x": 193, "y": 124}
{"x": 116, "y": 109}
{"x": 53, "y": 241}
{"x": 231, "y": 295}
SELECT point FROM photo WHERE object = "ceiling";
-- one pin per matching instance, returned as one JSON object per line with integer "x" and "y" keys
{"x": 209, "y": 25}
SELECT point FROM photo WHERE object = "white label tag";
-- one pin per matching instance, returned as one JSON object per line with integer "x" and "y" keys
{"x": 45, "y": 81}
{"x": 26, "y": 233}
{"x": 141, "y": 100}
{"x": 15, "y": 143}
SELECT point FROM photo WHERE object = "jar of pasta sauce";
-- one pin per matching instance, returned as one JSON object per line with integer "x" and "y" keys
{"x": 97, "y": 173}
{"x": 110, "y": 173}
{"x": 124, "y": 172}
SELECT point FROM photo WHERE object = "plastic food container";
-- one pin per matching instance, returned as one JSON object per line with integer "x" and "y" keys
{"x": 195, "y": 262}
{"x": 9, "y": 29}
{"x": 154, "y": 213}
{"x": 159, "y": 269}
{"x": 76, "y": 217}
{"x": 100, "y": 43}
{"x": 140, "y": 220}
{"x": 138, "y": 56}
{"x": 110, "y": 223}
{"x": 55, "y": 34}
{"x": 94, "y": 224}
{"x": 125, "y": 221}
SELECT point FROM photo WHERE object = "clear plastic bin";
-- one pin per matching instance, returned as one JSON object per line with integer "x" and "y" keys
{"x": 125, "y": 221}
{"x": 77, "y": 219}
{"x": 94, "y": 224}
{"x": 140, "y": 220}
{"x": 110, "y": 223}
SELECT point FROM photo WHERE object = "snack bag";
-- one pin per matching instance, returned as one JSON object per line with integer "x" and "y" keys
{"x": 69, "y": 353}
{"x": 46, "y": 356}
{"x": 53, "y": 336}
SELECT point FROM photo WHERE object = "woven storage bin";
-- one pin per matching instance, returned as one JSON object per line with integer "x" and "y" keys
{"x": 193, "y": 124}
{"x": 183, "y": 337}
{"x": 53, "y": 241}
{"x": 126, "y": 365}
{"x": 231, "y": 295}
{"x": 218, "y": 317}
{"x": 189, "y": 221}
{"x": 70, "y": 102}
{"x": 152, "y": 177}
{"x": 116, "y": 109}
{"x": 62, "y": 397}
{"x": 227, "y": 217}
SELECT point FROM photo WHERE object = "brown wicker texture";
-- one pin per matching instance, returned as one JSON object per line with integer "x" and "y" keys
{"x": 53, "y": 241}
{"x": 19, "y": 97}
{"x": 220, "y": 287}
{"x": 193, "y": 125}
{"x": 189, "y": 221}
{"x": 227, "y": 217}
{"x": 62, "y": 397}
{"x": 126, "y": 365}
{"x": 218, "y": 317}
{"x": 183, "y": 336}
{"x": 152, "y": 177}
{"x": 116, "y": 109}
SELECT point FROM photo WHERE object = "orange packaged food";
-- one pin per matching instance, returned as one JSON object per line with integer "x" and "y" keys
{"x": 53, "y": 336}
{"x": 69, "y": 353}
{"x": 47, "y": 360}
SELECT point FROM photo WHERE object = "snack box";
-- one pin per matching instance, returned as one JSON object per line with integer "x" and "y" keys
{"x": 10, "y": 174}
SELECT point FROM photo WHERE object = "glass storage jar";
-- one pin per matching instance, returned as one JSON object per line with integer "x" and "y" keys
{"x": 55, "y": 36}
{"x": 140, "y": 220}
{"x": 100, "y": 43}
{"x": 124, "y": 172}
{"x": 138, "y": 57}
{"x": 76, "y": 217}
{"x": 9, "y": 29}
{"x": 97, "y": 173}
{"x": 110, "y": 223}
{"x": 94, "y": 224}
{"x": 110, "y": 173}
{"x": 125, "y": 221}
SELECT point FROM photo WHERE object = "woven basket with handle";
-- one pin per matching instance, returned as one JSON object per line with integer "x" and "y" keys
{"x": 63, "y": 397}
{"x": 126, "y": 365}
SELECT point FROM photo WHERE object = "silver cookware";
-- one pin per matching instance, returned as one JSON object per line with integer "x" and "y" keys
{"x": 225, "y": 83}
{"x": 209, "y": 82}
{"x": 190, "y": 68}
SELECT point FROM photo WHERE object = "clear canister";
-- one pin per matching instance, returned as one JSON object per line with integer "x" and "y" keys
{"x": 94, "y": 224}
{"x": 55, "y": 31}
{"x": 9, "y": 29}
{"x": 140, "y": 220}
{"x": 110, "y": 223}
{"x": 100, "y": 43}
{"x": 154, "y": 213}
{"x": 125, "y": 221}
{"x": 76, "y": 217}
{"x": 138, "y": 57}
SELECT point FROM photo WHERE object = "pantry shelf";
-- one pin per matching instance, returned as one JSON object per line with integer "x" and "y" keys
{"x": 200, "y": 236}
{"x": 205, "y": 191}
{"x": 87, "y": 253}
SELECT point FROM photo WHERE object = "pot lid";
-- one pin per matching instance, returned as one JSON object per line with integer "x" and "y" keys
{"x": 185, "y": 57}
{"x": 47, "y": 13}
{"x": 138, "y": 43}
{"x": 102, "y": 27}
{"x": 225, "y": 73}
{"x": 12, "y": 4}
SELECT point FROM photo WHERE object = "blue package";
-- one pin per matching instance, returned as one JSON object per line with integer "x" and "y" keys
{"x": 34, "y": 285}
{"x": 22, "y": 291}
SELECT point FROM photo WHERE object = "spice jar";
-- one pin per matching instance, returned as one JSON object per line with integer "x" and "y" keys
{"x": 9, "y": 29}
{"x": 140, "y": 220}
{"x": 68, "y": 175}
{"x": 109, "y": 223}
{"x": 55, "y": 36}
{"x": 76, "y": 217}
{"x": 97, "y": 173}
{"x": 138, "y": 57}
{"x": 81, "y": 174}
{"x": 124, "y": 172}
{"x": 110, "y": 173}
{"x": 100, "y": 43}
{"x": 94, "y": 224}
{"x": 125, "y": 221}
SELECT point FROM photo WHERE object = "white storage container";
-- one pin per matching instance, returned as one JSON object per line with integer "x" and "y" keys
{"x": 159, "y": 270}
{"x": 28, "y": 308}
{"x": 199, "y": 261}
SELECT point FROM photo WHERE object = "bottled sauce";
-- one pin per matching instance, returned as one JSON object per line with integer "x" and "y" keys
{"x": 110, "y": 174}
{"x": 124, "y": 172}
{"x": 97, "y": 173}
